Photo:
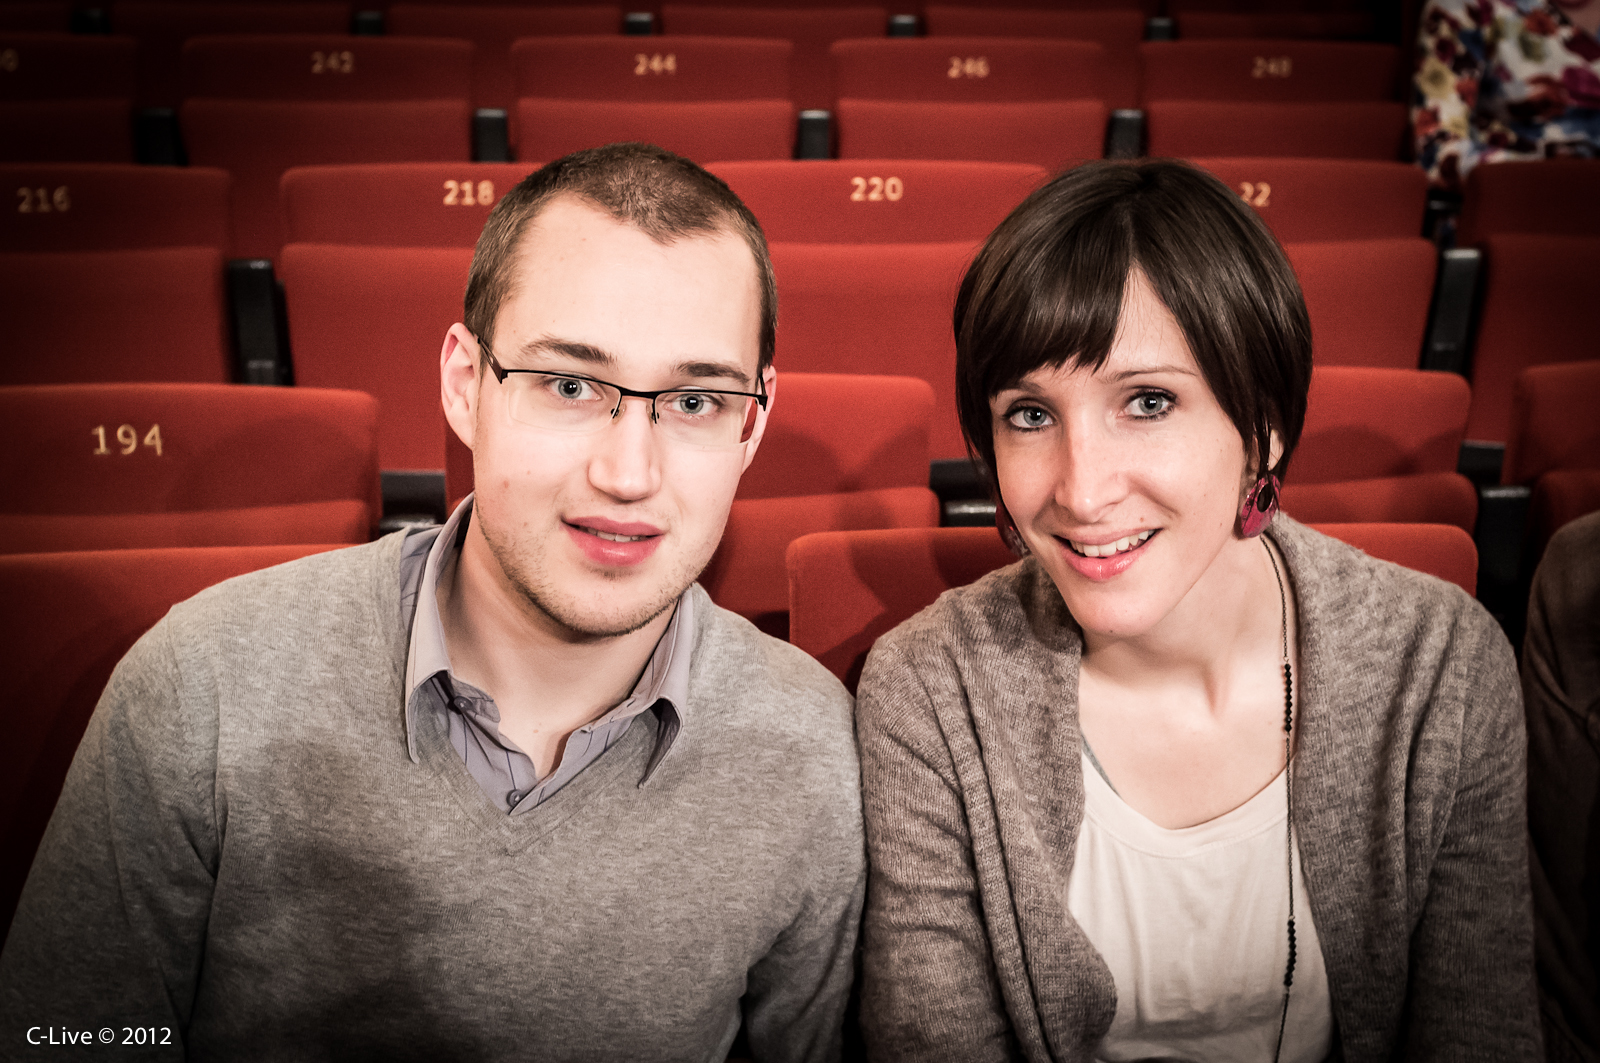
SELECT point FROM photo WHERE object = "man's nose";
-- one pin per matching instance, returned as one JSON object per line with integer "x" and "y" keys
{"x": 626, "y": 462}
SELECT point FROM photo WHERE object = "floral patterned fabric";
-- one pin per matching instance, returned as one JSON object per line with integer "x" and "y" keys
{"x": 1502, "y": 80}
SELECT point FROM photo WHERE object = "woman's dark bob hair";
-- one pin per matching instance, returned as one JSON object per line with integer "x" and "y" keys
{"x": 1046, "y": 289}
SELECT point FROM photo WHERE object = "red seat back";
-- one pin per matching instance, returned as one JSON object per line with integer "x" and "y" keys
{"x": 373, "y": 319}
{"x": 1211, "y": 128}
{"x": 1054, "y": 134}
{"x": 811, "y": 31}
{"x": 1559, "y": 197}
{"x": 87, "y": 207}
{"x": 59, "y": 659}
{"x": 491, "y": 29}
{"x": 36, "y": 16}
{"x": 87, "y": 458}
{"x": 1440, "y": 550}
{"x": 1545, "y": 433}
{"x": 1365, "y": 422}
{"x": 63, "y": 66}
{"x": 1368, "y": 299}
{"x": 326, "y": 67}
{"x": 968, "y": 69}
{"x": 652, "y": 70}
{"x": 397, "y": 204}
{"x": 257, "y": 141}
{"x": 1117, "y": 31}
{"x": 704, "y": 131}
{"x": 1329, "y": 199}
{"x": 66, "y": 131}
{"x": 1319, "y": 25}
{"x": 875, "y": 308}
{"x": 1560, "y": 497}
{"x": 879, "y": 201}
{"x": 1270, "y": 71}
{"x": 161, "y": 27}
{"x": 155, "y": 315}
{"x": 1535, "y": 312}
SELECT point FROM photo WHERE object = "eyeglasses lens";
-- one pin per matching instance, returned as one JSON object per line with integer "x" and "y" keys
{"x": 578, "y": 404}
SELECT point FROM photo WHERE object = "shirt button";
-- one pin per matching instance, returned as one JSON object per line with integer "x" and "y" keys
{"x": 461, "y": 705}
{"x": 513, "y": 797}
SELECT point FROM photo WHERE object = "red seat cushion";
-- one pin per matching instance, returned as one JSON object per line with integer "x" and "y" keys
{"x": 1117, "y": 31}
{"x": 66, "y": 131}
{"x": 1438, "y": 549}
{"x": 396, "y": 204}
{"x": 1053, "y": 134}
{"x": 1368, "y": 299}
{"x": 1270, "y": 71}
{"x": 653, "y": 70}
{"x": 968, "y": 69}
{"x": 1425, "y": 498}
{"x": 322, "y": 66}
{"x": 1544, "y": 434}
{"x": 1197, "y": 128}
{"x": 704, "y": 131}
{"x": 348, "y": 521}
{"x": 1363, "y": 422}
{"x": 104, "y": 207}
{"x": 1329, "y": 199}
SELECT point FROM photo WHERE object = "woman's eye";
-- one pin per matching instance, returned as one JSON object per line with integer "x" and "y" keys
{"x": 1150, "y": 404}
{"x": 1028, "y": 417}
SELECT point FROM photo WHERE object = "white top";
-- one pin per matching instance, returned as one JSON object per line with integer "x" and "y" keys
{"x": 1193, "y": 924}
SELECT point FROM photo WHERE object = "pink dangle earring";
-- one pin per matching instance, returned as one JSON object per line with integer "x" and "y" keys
{"x": 1260, "y": 506}
{"x": 1008, "y": 529}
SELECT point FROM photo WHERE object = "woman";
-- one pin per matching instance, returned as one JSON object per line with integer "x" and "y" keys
{"x": 1075, "y": 776}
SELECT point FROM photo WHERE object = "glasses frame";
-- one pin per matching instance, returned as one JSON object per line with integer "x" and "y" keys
{"x": 501, "y": 372}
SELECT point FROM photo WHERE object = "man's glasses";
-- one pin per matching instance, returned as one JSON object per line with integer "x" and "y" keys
{"x": 569, "y": 402}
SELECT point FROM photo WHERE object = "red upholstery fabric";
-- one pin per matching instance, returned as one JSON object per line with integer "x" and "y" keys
{"x": 846, "y": 588}
{"x": 1560, "y": 497}
{"x": 703, "y": 130}
{"x": 1328, "y": 25}
{"x": 1550, "y": 425}
{"x": 491, "y": 29}
{"x": 326, "y": 67}
{"x": 836, "y": 432}
{"x": 879, "y": 201}
{"x": 161, "y": 27}
{"x": 66, "y": 131}
{"x": 1329, "y": 199}
{"x": 57, "y": 661}
{"x": 1197, "y": 128}
{"x": 990, "y": 69}
{"x": 1560, "y": 197}
{"x": 618, "y": 68}
{"x": 1363, "y": 422}
{"x": 1054, "y": 134}
{"x": 63, "y": 66}
{"x": 257, "y": 141}
{"x": 1437, "y": 549}
{"x": 1368, "y": 299}
{"x": 36, "y": 16}
{"x": 875, "y": 308}
{"x": 1270, "y": 71}
{"x": 1536, "y": 311}
{"x": 810, "y": 31}
{"x": 396, "y": 204}
{"x": 87, "y": 207}
{"x": 346, "y": 521}
{"x": 373, "y": 319}
{"x": 1118, "y": 31}
{"x": 1423, "y": 498}
{"x": 87, "y": 450}
{"x": 85, "y": 316}
{"x": 747, "y": 572}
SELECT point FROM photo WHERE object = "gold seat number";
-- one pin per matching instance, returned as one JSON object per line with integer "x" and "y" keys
{"x": 127, "y": 439}
{"x": 654, "y": 64}
{"x": 44, "y": 200}
{"x": 1273, "y": 66}
{"x": 1257, "y": 193}
{"x": 876, "y": 189}
{"x": 333, "y": 62}
{"x": 460, "y": 194}
{"x": 969, "y": 67}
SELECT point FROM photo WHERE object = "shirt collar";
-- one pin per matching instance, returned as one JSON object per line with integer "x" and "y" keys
{"x": 663, "y": 685}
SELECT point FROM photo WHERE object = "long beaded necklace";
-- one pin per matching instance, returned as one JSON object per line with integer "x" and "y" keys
{"x": 1288, "y": 789}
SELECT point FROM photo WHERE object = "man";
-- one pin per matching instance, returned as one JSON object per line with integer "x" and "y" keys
{"x": 514, "y": 788}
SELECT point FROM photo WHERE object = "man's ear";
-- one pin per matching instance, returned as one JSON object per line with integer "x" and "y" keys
{"x": 459, "y": 381}
{"x": 769, "y": 380}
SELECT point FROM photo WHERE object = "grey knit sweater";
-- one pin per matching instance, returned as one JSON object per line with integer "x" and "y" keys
{"x": 1409, "y": 809}
{"x": 246, "y": 855}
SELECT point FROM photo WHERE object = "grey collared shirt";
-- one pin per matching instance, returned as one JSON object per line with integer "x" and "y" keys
{"x": 505, "y": 772}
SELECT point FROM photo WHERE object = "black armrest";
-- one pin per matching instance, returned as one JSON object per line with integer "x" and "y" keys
{"x": 260, "y": 326}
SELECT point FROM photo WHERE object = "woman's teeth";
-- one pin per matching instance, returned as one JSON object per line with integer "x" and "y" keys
{"x": 1107, "y": 550}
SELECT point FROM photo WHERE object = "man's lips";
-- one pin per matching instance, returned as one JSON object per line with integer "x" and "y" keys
{"x": 611, "y": 543}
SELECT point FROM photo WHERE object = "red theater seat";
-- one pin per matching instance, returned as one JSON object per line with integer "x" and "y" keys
{"x": 1324, "y": 25}
{"x": 111, "y": 466}
{"x": 58, "y": 659}
{"x": 875, "y": 308}
{"x": 373, "y": 319}
{"x": 652, "y": 69}
{"x": 400, "y": 204}
{"x": 1270, "y": 71}
{"x": 1368, "y": 299}
{"x": 88, "y": 316}
{"x": 1340, "y": 130}
{"x": 36, "y": 16}
{"x": 63, "y": 66}
{"x": 811, "y": 31}
{"x": 879, "y": 201}
{"x": 66, "y": 131}
{"x": 1054, "y": 134}
{"x": 491, "y": 29}
{"x": 1536, "y": 311}
{"x": 1118, "y": 31}
{"x": 1557, "y": 197}
{"x": 847, "y": 588}
{"x": 1550, "y": 448}
{"x": 326, "y": 67}
{"x": 701, "y": 130}
{"x": 1380, "y": 445}
{"x": 161, "y": 27}
{"x": 1329, "y": 199}
{"x": 968, "y": 69}
{"x": 84, "y": 207}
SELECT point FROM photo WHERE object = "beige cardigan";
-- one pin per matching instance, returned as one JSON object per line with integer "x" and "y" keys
{"x": 1409, "y": 806}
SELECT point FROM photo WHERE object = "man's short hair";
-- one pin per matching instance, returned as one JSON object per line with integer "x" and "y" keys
{"x": 665, "y": 196}
{"x": 1047, "y": 290}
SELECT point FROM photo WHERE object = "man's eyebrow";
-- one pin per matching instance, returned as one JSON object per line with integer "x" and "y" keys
{"x": 582, "y": 352}
{"x": 701, "y": 370}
